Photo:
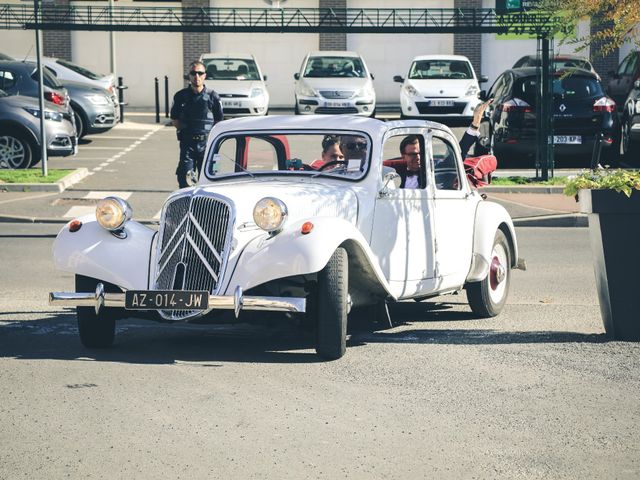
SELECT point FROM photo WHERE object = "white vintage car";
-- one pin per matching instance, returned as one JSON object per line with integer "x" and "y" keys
{"x": 273, "y": 226}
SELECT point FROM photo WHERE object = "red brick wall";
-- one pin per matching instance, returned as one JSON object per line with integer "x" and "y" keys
{"x": 333, "y": 41}
{"x": 56, "y": 43}
{"x": 194, "y": 44}
{"x": 469, "y": 44}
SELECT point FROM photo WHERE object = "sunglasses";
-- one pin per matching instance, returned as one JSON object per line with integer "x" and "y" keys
{"x": 196, "y": 72}
{"x": 356, "y": 146}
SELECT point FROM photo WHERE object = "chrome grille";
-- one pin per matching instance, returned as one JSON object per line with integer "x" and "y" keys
{"x": 193, "y": 248}
{"x": 336, "y": 93}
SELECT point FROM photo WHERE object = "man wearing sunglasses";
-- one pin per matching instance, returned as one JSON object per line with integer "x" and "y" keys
{"x": 194, "y": 111}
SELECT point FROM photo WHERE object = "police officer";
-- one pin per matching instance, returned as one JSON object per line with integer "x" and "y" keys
{"x": 194, "y": 111}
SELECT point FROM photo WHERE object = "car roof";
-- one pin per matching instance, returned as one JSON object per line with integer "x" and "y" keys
{"x": 441, "y": 57}
{"x": 531, "y": 71}
{"x": 18, "y": 64}
{"x": 333, "y": 53}
{"x": 375, "y": 128}
{"x": 247, "y": 56}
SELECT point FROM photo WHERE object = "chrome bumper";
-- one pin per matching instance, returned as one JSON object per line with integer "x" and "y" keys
{"x": 237, "y": 302}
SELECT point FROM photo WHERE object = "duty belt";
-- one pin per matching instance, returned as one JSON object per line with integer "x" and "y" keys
{"x": 199, "y": 138}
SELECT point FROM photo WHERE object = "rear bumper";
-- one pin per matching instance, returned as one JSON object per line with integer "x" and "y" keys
{"x": 236, "y": 302}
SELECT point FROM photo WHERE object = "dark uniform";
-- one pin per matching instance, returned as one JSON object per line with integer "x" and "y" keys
{"x": 196, "y": 112}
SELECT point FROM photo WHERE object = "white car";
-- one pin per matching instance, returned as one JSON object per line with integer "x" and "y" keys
{"x": 237, "y": 78}
{"x": 263, "y": 230}
{"x": 439, "y": 86}
{"x": 334, "y": 83}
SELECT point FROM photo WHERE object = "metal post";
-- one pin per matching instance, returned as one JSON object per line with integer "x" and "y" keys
{"x": 166, "y": 97}
{"x": 112, "y": 41}
{"x": 121, "y": 88}
{"x": 43, "y": 133}
{"x": 545, "y": 141}
{"x": 157, "y": 94}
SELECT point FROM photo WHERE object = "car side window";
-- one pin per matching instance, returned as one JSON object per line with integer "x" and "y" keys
{"x": 7, "y": 80}
{"x": 445, "y": 168}
{"x": 631, "y": 65}
{"x": 623, "y": 66}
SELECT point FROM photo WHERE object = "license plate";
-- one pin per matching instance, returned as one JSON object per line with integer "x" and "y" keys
{"x": 441, "y": 103}
{"x": 337, "y": 104}
{"x": 230, "y": 103}
{"x": 166, "y": 300}
{"x": 567, "y": 139}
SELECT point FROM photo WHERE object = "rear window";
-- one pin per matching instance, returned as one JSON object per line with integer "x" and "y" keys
{"x": 568, "y": 88}
{"x": 49, "y": 78}
{"x": 78, "y": 69}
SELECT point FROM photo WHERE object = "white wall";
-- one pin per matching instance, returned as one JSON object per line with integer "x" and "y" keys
{"x": 279, "y": 55}
{"x": 391, "y": 54}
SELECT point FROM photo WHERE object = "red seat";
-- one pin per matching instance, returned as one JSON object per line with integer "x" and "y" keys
{"x": 479, "y": 169}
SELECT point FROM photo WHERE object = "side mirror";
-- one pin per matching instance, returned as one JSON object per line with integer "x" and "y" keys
{"x": 372, "y": 77}
{"x": 264, "y": 78}
{"x": 390, "y": 181}
{"x": 482, "y": 95}
{"x": 483, "y": 79}
{"x": 398, "y": 79}
{"x": 296, "y": 76}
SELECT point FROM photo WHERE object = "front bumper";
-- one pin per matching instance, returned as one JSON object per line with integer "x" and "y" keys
{"x": 244, "y": 106}
{"x": 237, "y": 302}
{"x": 319, "y": 105}
{"x": 61, "y": 138}
{"x": 422, "y": 107}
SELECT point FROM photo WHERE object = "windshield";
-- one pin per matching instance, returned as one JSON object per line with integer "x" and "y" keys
{"x": 559, "y": 63}
{"x": 335, "y": 154}
{"x": 231, "y": 69}
{"x": 573, "y": 87}
{"x": 78, "y": 69}
{"x": 331, "y": 67}
{"x": 440, "y": 69}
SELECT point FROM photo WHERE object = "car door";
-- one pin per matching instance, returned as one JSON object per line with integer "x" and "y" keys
{"x": 492, "y": 114}
{"x": 453, "y": 212}
{"x": 402, "y": 235}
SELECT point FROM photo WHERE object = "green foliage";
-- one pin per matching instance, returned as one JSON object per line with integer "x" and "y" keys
{"x": 32, "y": 175}
{"x": 621, "y": 181}
{"x": 500, "y": 181}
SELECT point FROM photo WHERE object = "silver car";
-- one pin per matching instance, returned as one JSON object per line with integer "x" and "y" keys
{"x": 20, "y": 131}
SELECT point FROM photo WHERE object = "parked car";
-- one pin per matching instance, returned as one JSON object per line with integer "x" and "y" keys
{"x": 4, "y": 56}
{"x": 21, "y": 78}
{"x": 624, "y": 77}
{"x": 581, "y": 113}
{"x": 20, "y": 131}
{"x": 560, "y": 62}
{"x": 334, "y": 83}
{"x": 95, "y": 110}
{"x": 439, "y": 86}
{"x": 65, "y": 70}
{"x": 237, "y": 78}
{"x": 264, "y": 230}
{"x": 631, "y": 125}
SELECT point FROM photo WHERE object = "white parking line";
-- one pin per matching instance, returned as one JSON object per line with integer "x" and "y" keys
{"x": 157, "y": 215}
{"x": 83, "y": 147}
{"x": 78, "y": 211}
{"x": 98, "y": 194}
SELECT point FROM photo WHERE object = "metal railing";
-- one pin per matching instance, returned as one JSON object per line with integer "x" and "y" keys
{"x": 301, "y": 20}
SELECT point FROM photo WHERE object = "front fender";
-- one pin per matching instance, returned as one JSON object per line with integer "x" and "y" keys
{"x": 94, "y": 252}
{"x": 291, "y": 253}
{"x": 489, "y": 218}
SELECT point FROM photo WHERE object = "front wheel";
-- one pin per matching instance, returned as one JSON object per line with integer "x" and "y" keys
{"x": 333, "y": 307}
{"x": 488, "y": 297}
{"x": 15, "y": 151}
{"x": 96, "y": 330}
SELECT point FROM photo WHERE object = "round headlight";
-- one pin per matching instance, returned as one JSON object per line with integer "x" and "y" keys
{"x": 270, "y": 214}
{"x": 112, "y": 213}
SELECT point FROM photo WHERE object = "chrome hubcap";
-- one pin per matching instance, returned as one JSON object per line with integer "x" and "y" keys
{"x": 11, "y": 152}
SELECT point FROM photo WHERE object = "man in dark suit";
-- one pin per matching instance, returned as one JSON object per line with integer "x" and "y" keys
{"x": 409, "y": 169}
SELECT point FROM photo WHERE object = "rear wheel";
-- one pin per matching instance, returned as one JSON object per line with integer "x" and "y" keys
{"x": 296, "y": 110}
{"x": 488, "y": 297}
{"x": 81, "y": 129}
{"x": 96, "y": 330}
{"x": 15, "y": 151}
{"x": 630, "y": 149}
{"x": 333, "y": 307}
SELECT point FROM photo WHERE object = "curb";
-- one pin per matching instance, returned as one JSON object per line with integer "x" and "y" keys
{"x": 57, "y": 187}
{"x": 564, "y": 220}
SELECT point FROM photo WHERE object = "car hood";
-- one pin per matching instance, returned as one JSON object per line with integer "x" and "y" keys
{"x": 20, "y": 101}
{"x": 304, "y": 199}
{"x": 235, "y": 87}
{"x": 337, "y": 83}
{"x": 442, "y": 88}
{"x": 82, "y": 88}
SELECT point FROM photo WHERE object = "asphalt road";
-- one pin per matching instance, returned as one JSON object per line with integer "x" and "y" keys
{"x": 538, "y": 392}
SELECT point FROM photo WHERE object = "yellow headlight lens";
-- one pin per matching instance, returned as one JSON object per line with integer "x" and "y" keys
{"x": 112, "y": 213}
{"x": 270, "y": 214}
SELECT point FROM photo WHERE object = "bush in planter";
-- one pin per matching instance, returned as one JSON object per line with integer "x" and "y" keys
{"x": 612, "y": 200}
